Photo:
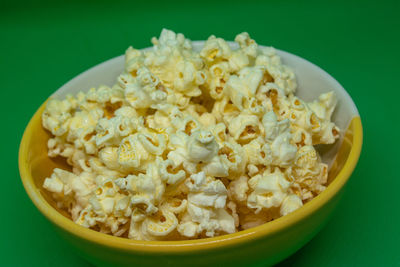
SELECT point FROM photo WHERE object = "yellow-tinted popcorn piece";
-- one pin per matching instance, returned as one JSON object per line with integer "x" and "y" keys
{"x": 162, "y": 224}
{"x": 269, "y": 190}
{"x": 189, "y": 143}
{"x": 290, "y": 204}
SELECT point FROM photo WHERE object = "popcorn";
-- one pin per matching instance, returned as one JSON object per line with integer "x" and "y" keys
{"x": 202, "y": 146}
{"x": 176, "y": 205}
{"x": 224, "y": 110}
{"x": 280, "y": 74}
{"x": 248, "y": 45}
{"x": 131, "y": 152}
{"x": 133, "y": 61}
{"x": 290, "y": 204}
{"x": 206, "y": 202}
{"x": 58, "y": 147}
{"x": 244, "y": 128}
{"x": 169, "y": 174}
{"x": 283, "y": 152}
{"x": 215, "y": 49}
{"x": 202, "y": 220}
{"x": 109, "y": 156}
{"x": 207, "y": 119}
{"x": 269, "y": 190}
{"x": 325, "y": 106}
{"x": 258, "y": 152}
{"x": 241, "y": 88}
{"x": 206, "y": 192}
{"x": 66, "y": 185}
{"x": 56, "y": 116}
{"x": 189, "y": 144}
{"x": 272, "y": 127}
{"x": 238, "y": 189}
{"x": 219, "y": 73}
{"x": 278, "y": 134}
{"x": 232, "y": 156}
{"x": 146, "y": 91}
{"x": 162, "y": 224}
{"x": 146, "y": 190}
{"x": 153, "y": 144}
{"x": 188, "y": 229}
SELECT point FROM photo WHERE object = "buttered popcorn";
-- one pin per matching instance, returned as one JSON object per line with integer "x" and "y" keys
{"x": 189, "y": 144}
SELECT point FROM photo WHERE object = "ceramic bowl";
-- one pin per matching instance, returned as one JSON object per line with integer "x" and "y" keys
{"x": 263, "y": 245}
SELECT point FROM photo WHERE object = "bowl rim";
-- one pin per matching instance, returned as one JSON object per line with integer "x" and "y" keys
{"x": 125, "y": 244}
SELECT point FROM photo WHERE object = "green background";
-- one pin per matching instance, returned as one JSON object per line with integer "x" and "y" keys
{"x": 43, "y": 45}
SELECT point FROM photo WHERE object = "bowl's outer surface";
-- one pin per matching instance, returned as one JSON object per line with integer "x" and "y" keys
{"x": 266, "y": 244}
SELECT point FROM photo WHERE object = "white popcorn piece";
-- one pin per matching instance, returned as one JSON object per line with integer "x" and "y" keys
{"x": 238, "y": 60}
{"x": 176, "y": 205}
{"x": 301, "y": 137}
{"x": 162, "y": 224}
{"x": 269, "y": 191}
{"x": 207, "y": 120}
{"x": 219, "y": 131}
{"x": 186, "y": 78}
{"x": 206, "y": 221}
{"x": 133, "y": 61}
{"x": 66, "y": 185}
{"x": 232, "y": 208}
{"x": 109, "y": 156}
{"x": 111, "y": 131}
{"x": 279, "y": 136}
{"x": 135, "y": 228}
{"x": 136, "y": 151}
{"x": 154, "y": 144}
{"x": 60, "y": 181}
{"x": 211, "y": 222}
{"x": 282, "y": 75}
{"x": 147, "y": 189}
{"x": 283, "y": 153}
{"x": 325, "y": 105}
{"x": 238, "y": 189}
{"x": 129, "y": 154}
{"x": 241, "y": 88}
{"x": 272, "y": 127}
{"x": 57, "y": 146}
{"x": 95, "y": 165}
{"x": 202, "y": 147}
{"x": 53, "y": 184}
{"x": 169, "y": 174}
{"x": 248, "y": 45}
{"x": 188, "y": 229}
{"x": 219, "y": 74}
{"x": 232, "y": 155}
{"x": 258, "y": 152}
{"x": 56, "y": 115}
{"x": 290, "y": 204}
{"x": 205, "y": 191}
{"x": 244, "y": 128}
{"x": 217, "y": 167}
{"x": 315, "y": 118}
{"x": 146, "y": 91}
{"x": 215, "y": 49}
{"x": 306, "y": 157}
{"x": 224, "y": 110}
{"x": 188, "y": 124}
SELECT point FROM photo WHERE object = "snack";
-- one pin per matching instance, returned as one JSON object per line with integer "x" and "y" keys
{"x": 189, "y": 144}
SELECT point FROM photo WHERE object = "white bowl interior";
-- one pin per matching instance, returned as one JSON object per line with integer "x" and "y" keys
{"x": 312, "y": 81}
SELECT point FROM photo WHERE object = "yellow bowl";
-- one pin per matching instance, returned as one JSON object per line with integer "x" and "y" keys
{"x": 266, "y": 244}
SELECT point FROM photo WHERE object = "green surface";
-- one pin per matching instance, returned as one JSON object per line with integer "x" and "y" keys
{"x": 43, "y": 45}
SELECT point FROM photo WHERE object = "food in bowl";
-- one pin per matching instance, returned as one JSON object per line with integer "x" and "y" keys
{"x": 189, "y": 144}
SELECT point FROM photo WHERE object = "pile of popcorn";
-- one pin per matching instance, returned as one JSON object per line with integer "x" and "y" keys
{"x": 189, "y": 144}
